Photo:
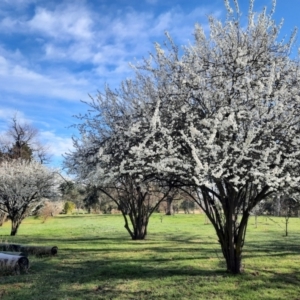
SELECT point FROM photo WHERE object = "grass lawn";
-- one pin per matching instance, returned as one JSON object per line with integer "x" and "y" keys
{"x": 180, "y": 259}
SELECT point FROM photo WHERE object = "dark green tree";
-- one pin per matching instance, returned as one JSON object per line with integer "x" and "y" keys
{"x": 21, "y": 142}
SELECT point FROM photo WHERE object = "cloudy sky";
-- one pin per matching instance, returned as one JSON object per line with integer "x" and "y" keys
{"x": 55, "y": 53}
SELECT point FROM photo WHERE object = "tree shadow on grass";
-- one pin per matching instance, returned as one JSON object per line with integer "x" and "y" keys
{"x": 46, "y": 273}
{"x": 106, "y": 274}
{"x": 278, "y": 247}
{"x": 112, "y": 279}
{"x": 79, "y": 274}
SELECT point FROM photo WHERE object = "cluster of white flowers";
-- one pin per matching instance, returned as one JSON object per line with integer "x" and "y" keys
{"x": 23, "y": 185}
{"x": 227, "y": 109}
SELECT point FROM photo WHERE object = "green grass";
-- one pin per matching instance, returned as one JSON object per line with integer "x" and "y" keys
{"x": 180, "y": 259}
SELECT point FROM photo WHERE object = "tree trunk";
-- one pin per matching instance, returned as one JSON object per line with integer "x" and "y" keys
{"x": 231, "y": 234}
{"x": 222, "y": 205}
{"x": 232, "y": 241}
{"x": 233, "y": 258}
{"x": 169, "y": 211}
{"x": 14, "y": 226}
{"x": 139, "y": 225}
{"x": 140, "y": 228}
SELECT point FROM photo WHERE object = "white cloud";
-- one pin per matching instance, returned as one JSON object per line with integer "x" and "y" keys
{"x": 64, "y": 22}
{"x": 58, "y": 145}
{"x": 22, "y": 80}
{"x": 6, "y": 115}
{"x": 73, "y": 34}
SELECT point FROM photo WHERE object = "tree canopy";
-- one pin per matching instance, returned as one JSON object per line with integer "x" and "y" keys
{"x": 23, "y": 185}
{"x": 219, "y": 122}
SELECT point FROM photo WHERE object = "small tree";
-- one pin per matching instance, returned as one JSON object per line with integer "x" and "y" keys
{"x": 49, "y": 209}
{"x": 258, "y": 210}
{"x": 73, "y": 192}
{"x": 91, "y": 198}
{"x": 289, "y": 208}
{"x": 69, "y": 207}
{"x": 187, "y": 205}
{"x": 23, "y": 185}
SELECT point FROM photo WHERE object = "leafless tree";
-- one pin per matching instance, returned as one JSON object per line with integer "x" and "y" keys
{"x": 21, "y": 141}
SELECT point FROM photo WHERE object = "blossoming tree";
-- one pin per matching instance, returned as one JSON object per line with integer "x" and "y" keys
{"x": 226, "y": 121}
{"x": 221, "y": 122}
{"x": 23, "y": 184}
{"x": 102, "y": 158}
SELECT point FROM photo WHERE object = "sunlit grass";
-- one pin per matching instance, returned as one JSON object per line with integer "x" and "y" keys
{"x": 180, "y": 259}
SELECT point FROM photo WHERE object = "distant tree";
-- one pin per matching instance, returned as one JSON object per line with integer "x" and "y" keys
{"x": 67, "y": 187}
{"x": 69, "y": 207}
{"x": 187, "y": 206}
{"x": 91, "y": 199}
{"x": 23, "y": 185}
{"x": 21, "y": 141}
{"x": 258, "y": 210}
{"x": 289, "y": 208}
{"x": 73, "y": 192}
{"x": 49, "y": 209}
{"x": 169, "y": 208}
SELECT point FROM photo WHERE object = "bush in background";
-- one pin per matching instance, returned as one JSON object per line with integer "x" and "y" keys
{"x": 69, "y": 207}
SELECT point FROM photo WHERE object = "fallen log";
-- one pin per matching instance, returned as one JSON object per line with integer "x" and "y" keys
{"x": 29, "y": 249}
{"x": 39, "y": 250}
{"x": 13, "y": 263}
{"x": 10, "y": 247}
{"x": 14, "y": 253}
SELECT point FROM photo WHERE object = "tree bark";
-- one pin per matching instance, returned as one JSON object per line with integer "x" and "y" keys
{"x": 232, "y": 238}
{"x": 169, "y": 210}
{"x": 14, "y": 227}
{"x": 140, "y": 227}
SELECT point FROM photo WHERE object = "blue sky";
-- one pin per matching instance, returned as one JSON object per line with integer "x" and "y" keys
{"x": 54, "y": 53}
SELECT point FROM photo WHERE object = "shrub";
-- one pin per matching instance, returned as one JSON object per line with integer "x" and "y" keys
{"x": 49, "y": 209}
{"x": 69, "y": 207}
